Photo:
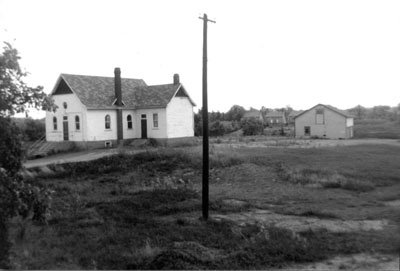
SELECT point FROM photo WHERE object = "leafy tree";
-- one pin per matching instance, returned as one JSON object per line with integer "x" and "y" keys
{"x": 397, "y": 110}
{"x": 380, "y": 112}
{"x": 198, "y": 123}
{"x": 15, "y": 95}
{"x": 252, "y": 126}
{"x": 17, "y": 197}
{"x": 33, "y": 129}
{"x": 287, "y": 111}
{"x": 217, "y": 128}
{"x": 216, "y": 116}
{"x": 10, "y": 146}
{"x": 359, "y": 111}
{"x": 235, "y": 113}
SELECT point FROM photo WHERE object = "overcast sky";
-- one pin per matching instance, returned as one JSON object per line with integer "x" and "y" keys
{"x": 261, "y": 53}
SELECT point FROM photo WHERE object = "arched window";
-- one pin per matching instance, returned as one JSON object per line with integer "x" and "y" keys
{"x": 77, "y": 123}
{"x": 65, "y": 105}
{"x": 54, "y": 123}
{"x": 108, "y": 122}
{"x": 129, "y": 121}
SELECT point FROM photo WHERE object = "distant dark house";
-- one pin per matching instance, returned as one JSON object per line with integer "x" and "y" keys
{"x": 275, "y": 118}
{"x": 253, "y": 113}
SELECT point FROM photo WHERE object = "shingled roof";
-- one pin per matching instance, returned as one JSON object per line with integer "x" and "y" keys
{"x": 275, "y": 114}
{"x": 97, "y": 92}
{"x": 152, "y": 96}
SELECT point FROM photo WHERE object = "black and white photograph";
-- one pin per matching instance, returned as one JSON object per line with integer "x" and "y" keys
{"x": 200, "y": 135}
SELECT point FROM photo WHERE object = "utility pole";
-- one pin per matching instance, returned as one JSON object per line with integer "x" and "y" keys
{"x": 206, "y": 163}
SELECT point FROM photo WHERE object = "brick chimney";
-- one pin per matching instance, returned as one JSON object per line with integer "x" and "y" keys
{"x": 117, "y": 82}
{"x": 176, "y": 79}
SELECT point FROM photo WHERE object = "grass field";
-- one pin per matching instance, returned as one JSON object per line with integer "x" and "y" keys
{"x": 376, "y": 128}
{"x": 142, "y": 211}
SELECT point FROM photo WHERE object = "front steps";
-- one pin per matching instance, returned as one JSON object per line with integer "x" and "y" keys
{"x": 44, "y": 148}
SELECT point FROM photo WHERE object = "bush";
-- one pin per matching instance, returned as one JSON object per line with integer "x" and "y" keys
{"x": 217, "y": 129}
{"x": 33, "y": 129}
{"x": 5, "y": 244}
{"x": 252, "y": 126}
{"x": 10, "y": 146}
{"x": 17, "y": 197}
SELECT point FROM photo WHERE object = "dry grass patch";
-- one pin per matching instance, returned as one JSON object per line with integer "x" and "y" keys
{"x": 321, "y": 178}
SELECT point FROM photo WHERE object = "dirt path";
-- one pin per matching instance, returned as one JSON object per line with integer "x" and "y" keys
{"x": 356, "y": 262}
{"x": 361, "y": 261}
{"x": 301, "y": 223}
{"x": 77, "y": 156}
{"x": 69, "y": 157}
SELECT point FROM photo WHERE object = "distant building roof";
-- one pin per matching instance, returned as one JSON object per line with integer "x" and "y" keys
{"x": 294, "y": 113}
{"x": 275, "y": 114}
{"x": 97, "y": 92}
{"x": 252, "y": 113}
{"x": 334, "y": 109}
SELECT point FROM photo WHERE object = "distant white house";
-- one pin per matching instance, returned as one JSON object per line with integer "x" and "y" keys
{"x": 106, "y": 109}
{"x": 324, "y": 121}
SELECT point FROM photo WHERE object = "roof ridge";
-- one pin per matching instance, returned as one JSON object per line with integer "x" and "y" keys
{"x": 162, "y": 85}
{"x": 97, "y": 76}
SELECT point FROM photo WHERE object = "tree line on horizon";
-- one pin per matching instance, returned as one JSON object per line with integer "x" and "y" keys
{"x": 226, "y": 122}
{"x": 221, "y": 123}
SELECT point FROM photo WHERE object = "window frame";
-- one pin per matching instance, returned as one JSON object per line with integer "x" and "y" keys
{"x": 107, "y": 122}
{"x": 77, "y": 123}
{"x": 129, "y": 122}
{"x": 319, "y": 112}
{"x": 55, "y": 123}
{"x": 309, "y": 130}
{"x": 155, "y": 121}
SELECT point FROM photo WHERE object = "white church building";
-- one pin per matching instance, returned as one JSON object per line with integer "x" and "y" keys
{"x": 94, "y": 109}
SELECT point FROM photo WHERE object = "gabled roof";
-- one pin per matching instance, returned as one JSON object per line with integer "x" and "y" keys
{"x": 97, "y": 92}
{"x": 293, "y": 113}
{"x": 274, "y": 114}
{"x": 252, "y": 113}
{"x": 332, "y": 108}
{"x": 153, "y": 96}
